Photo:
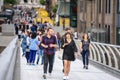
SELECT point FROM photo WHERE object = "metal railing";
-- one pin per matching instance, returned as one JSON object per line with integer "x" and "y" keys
{"x": 105, "y": 54}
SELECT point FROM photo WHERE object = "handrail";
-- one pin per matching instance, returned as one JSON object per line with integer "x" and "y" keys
{"x": 105, "y": 44}
{"x": 106, "y": 54}
{"x": 7, "y": 61}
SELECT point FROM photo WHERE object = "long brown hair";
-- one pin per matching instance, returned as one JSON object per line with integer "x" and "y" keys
{"x": 69, "y": 34}
{"x": 84, "y": 35}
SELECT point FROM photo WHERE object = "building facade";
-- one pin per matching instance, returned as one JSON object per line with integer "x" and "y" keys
{"x": 1, "y": 4}
{"x": 49, "y": 5}
{"x": 63, "y": 13}
{"x": 29, "y": 1}
{"x": 100, "y": 18}
{"x": 118, "y": 22}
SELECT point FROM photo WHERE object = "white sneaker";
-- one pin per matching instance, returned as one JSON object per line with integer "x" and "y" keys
{"x": 50, "y": 74}
{"x": 64, "y": 78}
{"x": 67, "y": 77}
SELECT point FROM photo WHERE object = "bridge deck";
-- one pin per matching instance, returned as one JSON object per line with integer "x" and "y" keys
{"x": 29, "y": 72}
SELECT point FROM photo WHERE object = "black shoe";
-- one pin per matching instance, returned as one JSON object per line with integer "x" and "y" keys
{"x": 37, "y": 63}
{"x": 23, "y": 55}
{"x": 84, "y": 67}
{"x": 63, "y": 70}
{"x": 44, "y": 76}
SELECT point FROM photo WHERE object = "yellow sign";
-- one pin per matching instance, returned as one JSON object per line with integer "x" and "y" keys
{"x": 44, "y": 16}
{"x": 67, "y": 21}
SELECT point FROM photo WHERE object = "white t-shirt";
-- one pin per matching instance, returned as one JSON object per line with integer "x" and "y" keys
{"x": 19, "y": 32}
{"x": 75, "y": 35}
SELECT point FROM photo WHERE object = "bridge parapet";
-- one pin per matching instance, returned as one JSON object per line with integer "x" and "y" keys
{"x": 7, "y": 61}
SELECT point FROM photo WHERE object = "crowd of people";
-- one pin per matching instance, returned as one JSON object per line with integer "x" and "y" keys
{"x": 39, "y": 38}
{"x": 45, "y": 46}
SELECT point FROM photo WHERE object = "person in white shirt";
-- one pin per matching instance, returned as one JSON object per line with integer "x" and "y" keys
{"x": 19, "y": 34}
{"x": 76, "y": 35}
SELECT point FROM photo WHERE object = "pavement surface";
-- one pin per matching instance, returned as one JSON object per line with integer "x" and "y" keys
{"x": 30, "y": 72}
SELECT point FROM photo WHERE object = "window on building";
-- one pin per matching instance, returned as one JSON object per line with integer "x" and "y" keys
{"x": 25, "y": 1}
{"x": 118, "y": 6}
{"x": 118, "y": 35}
{"x": 106, "y": 26}
{"x": 81, "y": 6}
{"x": 99, "y": 26}
{"x": 107, "y": 35}
{"x": 108, "y": 6}
{"x": 85, "y": 10}
{"x": 99, "y": 6}
{"x": 73, "y": 13}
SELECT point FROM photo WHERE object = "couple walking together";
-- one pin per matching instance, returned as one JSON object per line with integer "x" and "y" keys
{"x": 69, "y": 52}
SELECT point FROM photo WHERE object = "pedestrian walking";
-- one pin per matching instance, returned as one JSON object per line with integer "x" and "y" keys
{"x": 40, "y": 50}
{"x": 33, "y": 48}
{"x": 40, "y": 25}
{"x": 63, "y": 41}
{"x": 69, "y": 54}
{"x": 34, "y": 28}
{"x": 85, "y": 50}
{"x": 76, "y": 35}
{"x": 58, "y": 39}
{"x": 19, "y": 33}
{"x": 16, "y": 28}
{"x": 27, "y": 55}
{"x": 24, "y": 42}
{"x": 49, "y": 44}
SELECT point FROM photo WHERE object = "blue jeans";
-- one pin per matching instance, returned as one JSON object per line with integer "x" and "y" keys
{"x": 32, "y": 56}
{"x": 85, "y": 57}
{"x": 40, "y": 54}
{"x": 24, "y": 49}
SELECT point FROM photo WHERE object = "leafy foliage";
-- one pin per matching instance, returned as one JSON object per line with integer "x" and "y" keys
{"x": 42, "y": 2}
{"x": 54, "y": 8}
{"x": 9, "y": 1}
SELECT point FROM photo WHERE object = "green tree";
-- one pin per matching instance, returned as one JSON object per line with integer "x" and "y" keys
{"x": 54, "y": 8}
{"x": 42, "y": 2}
{"x": 9, "y": 1}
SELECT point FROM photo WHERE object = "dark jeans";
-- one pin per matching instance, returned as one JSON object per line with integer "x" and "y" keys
{"x": 59, "y": 44}
{"x": 32, "y": 56}
{"x": 48, "y": 59}
{"x": 19, "y": 37}
{"x": 27, "y": 56}
{"x": 85, "y": 56}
